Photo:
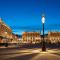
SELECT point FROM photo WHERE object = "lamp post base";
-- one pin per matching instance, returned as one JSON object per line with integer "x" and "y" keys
{"x": 43, "y": 48}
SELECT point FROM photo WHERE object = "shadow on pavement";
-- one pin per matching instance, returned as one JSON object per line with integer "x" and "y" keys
{"x": 56, "y": 54}
{"x": 24, "y": 57}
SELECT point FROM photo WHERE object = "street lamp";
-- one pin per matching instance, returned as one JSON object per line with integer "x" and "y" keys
{"x": 43, "y": 41}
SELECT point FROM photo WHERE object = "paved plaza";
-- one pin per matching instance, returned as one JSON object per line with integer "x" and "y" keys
{"x": 29, "y": 54}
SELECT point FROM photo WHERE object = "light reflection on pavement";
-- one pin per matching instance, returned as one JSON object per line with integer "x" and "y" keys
{"x": 30, "y": 54}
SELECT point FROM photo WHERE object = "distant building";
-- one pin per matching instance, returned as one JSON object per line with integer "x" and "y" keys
{"x": 14, "y": 38}
{"x": 19, "y": 39}
{"x": 54, "y": 37}
{"x": 31, "y": 37}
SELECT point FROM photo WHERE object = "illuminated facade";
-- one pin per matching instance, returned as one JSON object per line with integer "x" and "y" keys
{"x": 31, "y": 37}
{"x": 14, "y": 38}
{"x": 35, "y": 37}
{"x": 5, "y": 32}
{"x": 54, "y": 37}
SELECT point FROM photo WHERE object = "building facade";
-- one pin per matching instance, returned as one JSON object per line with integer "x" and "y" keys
{"x": 54, "y": 37}
{"x": 31, "y": 37}
{"x": 36, "y": 37}
{"x": 5, "y": 32}
{"x": 14, "y": 38}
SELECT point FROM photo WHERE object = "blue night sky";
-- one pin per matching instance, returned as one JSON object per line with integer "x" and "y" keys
{"x": 25, "y": 15}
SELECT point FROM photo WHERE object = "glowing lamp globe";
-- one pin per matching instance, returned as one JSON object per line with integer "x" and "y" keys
{"x": 43, "y": 19}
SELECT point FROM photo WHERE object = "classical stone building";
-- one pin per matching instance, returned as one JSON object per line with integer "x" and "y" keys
{"x": 14, "y": 38}
{"x": 5, "y": 32}
{"x": 54, "y": 37}
{"x": 36, "y": 37}
{"x": 31, "y": 37}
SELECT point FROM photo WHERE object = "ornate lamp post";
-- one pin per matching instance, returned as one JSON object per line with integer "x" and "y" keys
{"x": 43, "y": 41}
